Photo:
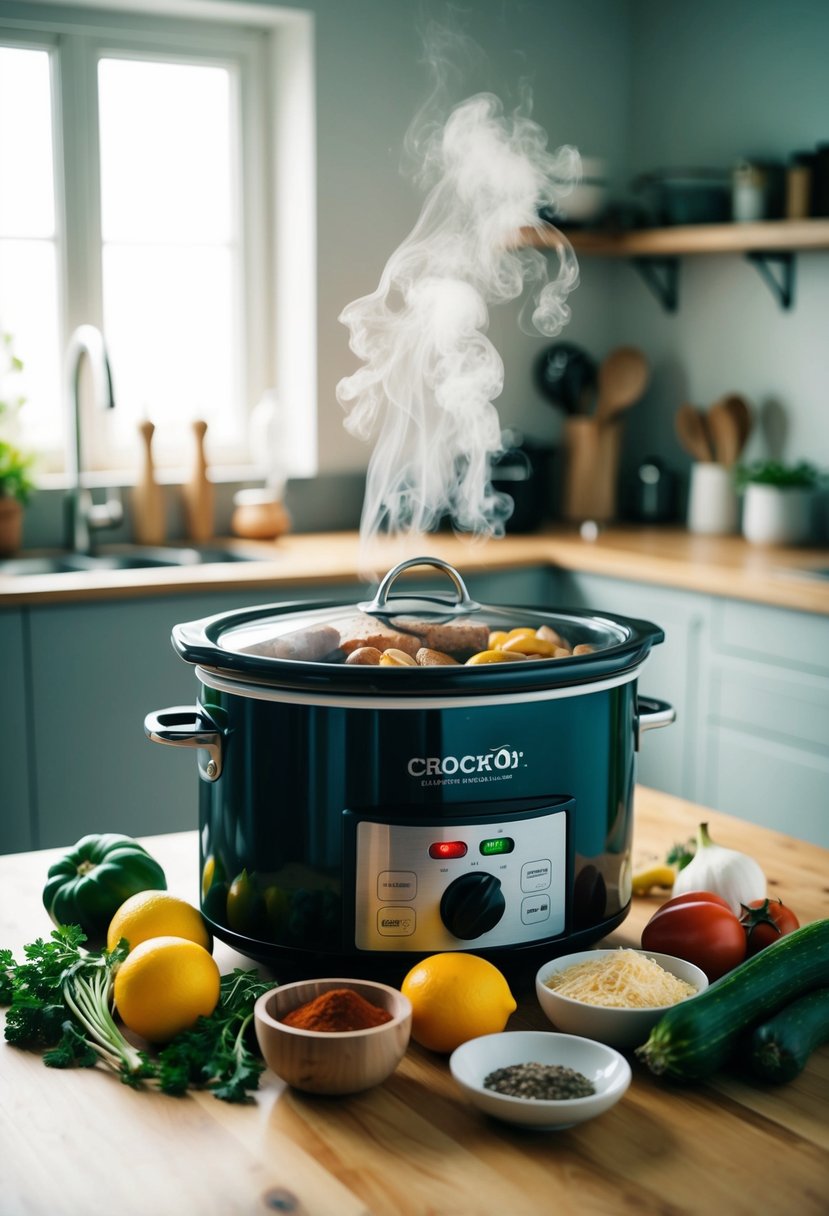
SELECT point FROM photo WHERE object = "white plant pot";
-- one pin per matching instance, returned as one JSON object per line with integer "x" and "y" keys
{"x": 775, "y": 516}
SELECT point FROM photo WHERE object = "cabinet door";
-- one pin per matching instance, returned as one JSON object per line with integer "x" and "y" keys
{"x": 97, "y": 670}
{"x": 674, "y": 671}
{"x": 16, "y": 813}
{"x": 767, "y": 721}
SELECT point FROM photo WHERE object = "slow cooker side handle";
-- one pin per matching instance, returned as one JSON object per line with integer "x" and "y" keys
{"x": 651, "y": 713}
{"x": 187, "y": 726}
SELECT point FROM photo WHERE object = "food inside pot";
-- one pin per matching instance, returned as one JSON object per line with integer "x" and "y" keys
{"x": 364, "y": 640}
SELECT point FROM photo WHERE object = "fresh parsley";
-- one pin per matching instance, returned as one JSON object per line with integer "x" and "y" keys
{"x": 60, "y": 1001}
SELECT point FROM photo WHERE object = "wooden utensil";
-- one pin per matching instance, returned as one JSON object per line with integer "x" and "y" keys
{"x": 148, "y": 526}
{"x": 623, "y": 376}
{"x": 693, "y": 433}
{"x": 198, "y": 493}
{"x": 740, "y": 411}
{"x": 725, "y": 436}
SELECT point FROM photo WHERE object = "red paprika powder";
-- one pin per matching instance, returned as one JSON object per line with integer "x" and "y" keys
{"x": 336, "y": 1011}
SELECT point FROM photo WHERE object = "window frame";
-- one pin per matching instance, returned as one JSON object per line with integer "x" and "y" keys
{"x": 275, "y": 226}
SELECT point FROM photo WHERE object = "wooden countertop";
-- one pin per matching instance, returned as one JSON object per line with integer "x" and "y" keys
{"x": 78, "y": 1142}
{"x": 670, "y": 557}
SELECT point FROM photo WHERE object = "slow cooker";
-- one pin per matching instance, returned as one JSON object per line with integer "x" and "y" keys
{"x": 365, "y": 814}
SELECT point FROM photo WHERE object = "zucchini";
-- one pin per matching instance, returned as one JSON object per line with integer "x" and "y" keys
{"x": 779, "y": 1049}
{"x": 693, "y": 1039}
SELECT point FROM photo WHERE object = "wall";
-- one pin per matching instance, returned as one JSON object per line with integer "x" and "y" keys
{"x": 644, "y": 85}
{"x": 711, "y": 83}
{"x": 370, "y": 83}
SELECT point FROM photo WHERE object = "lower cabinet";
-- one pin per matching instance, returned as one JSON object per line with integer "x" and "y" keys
{"x": 750, "y": 684}
{"x": 766, "y": 742}
{"x": 79, "y": 680}
{"x": 17, "y": 821}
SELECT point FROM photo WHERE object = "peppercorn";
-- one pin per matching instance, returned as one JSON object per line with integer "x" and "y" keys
{"x": 541, "y": 1082}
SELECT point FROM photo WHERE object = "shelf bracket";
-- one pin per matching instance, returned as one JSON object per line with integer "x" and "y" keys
{"x": 662, "y": 277}
{"x": 782, "y": 285}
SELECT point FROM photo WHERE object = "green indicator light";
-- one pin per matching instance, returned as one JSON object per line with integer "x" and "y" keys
{"x": 499, "y": 844}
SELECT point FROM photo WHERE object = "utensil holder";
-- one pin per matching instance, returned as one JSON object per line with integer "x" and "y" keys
{"x": 712, "y": 500}
{"x": 591, "y": 470}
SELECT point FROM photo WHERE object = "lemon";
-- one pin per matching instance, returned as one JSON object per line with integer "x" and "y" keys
{"x": 164, "y": 985}
{"x": 455, "y": 997}
{"x": 156, "y": 914}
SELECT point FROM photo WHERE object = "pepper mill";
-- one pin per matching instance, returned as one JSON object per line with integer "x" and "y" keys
{"x": 148, "y": 525}
{"x": 198, "y": 493}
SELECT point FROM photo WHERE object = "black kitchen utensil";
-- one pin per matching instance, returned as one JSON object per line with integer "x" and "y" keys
{"x": 566, "y": 375}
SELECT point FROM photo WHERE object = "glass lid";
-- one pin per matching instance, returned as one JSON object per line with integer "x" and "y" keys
{"x": 425, "y": 639}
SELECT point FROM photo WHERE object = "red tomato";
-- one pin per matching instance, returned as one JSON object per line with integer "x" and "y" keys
{"x": 695, "y": 897}
{"x": 765, "y": 921}
{"x": 703, "y": 931}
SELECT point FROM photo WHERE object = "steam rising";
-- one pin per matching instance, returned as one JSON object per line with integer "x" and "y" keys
{"x": 430, "y": 376}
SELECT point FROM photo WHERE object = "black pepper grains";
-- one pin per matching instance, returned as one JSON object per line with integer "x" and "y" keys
{"x": 542, "y": 1082}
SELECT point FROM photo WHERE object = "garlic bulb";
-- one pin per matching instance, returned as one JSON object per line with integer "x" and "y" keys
{"x": 735, "y": 876}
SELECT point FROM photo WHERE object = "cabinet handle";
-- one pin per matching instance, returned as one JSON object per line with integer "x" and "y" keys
{"x": 651, "y": 714}
{"x": 187, "y": 726}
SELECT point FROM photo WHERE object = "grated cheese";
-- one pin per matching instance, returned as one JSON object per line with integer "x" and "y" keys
{"x": 622, "y": 979}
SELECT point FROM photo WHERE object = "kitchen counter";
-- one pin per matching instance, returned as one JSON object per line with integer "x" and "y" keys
{"x": 671, "y": 557}
{"x": 78, "y": 1142}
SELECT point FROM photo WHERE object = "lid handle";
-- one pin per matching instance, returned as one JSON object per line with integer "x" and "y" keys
{"x": 380, "y": 605}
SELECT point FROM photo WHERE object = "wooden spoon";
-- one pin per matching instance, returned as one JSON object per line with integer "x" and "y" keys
{"x": 623, "y": 377}
{"x": 693, "y": 433}
{"x": 740, "y": 411}
{"x": 725, "y": 435}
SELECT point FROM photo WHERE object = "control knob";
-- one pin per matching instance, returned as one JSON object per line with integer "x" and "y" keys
{"x": 472, "y": 905}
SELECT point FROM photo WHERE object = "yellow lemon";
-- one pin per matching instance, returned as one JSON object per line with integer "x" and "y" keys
{"x": 164, "y": 985}
{"x": 156, "y": 914}
{"x": 455, "y": 997}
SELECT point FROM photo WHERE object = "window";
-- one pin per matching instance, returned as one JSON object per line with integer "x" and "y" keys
{"x": 139, "y": 191}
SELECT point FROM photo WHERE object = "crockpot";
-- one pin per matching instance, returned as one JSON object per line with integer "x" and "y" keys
{"x": 365, "y": 814}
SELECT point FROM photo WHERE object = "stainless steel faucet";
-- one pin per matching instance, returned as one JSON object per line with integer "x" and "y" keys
{"x": 82, "y": 515}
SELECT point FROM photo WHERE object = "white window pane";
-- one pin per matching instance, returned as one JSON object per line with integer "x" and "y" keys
{"x": 29, "y": 312}
{"x": 26, "y": 182}
{"x": 165, "y": 151}
{"x": 169, "y": 324}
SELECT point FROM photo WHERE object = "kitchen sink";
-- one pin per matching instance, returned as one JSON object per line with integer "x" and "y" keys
{"x": 136, "y": 557}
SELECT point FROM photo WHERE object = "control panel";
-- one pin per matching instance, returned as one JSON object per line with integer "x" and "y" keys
{"x": 424, "y": 887}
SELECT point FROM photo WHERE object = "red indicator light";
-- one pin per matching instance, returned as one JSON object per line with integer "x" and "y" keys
{"x": 444, "y": 849}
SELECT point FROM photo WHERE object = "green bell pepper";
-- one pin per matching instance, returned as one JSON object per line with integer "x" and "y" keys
{"x": 89, "y": 884}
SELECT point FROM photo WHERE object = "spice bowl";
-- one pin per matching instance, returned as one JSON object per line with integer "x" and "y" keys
{"x": 608, "y": 1072}
{"x": 326, "y": 1061}
{"x": 621, "y": 1028}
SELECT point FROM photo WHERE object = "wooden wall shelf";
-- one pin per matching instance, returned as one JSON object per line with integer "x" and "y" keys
{"x": 655, "y": 251}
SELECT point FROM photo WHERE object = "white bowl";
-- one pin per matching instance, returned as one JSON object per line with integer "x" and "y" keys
{"x": 476, "y": 1059}
{"x": 619, "y": 1027}
{"x": 320, "y": 1062}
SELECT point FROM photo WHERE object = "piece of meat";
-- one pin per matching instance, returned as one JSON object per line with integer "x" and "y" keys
{"x": 459, "y": 636}
{"x": 307, "y": 645}
{"x": 365, "y": 630}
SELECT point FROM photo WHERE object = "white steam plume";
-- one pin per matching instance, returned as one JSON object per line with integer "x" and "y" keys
{"x": 425, "y": 393}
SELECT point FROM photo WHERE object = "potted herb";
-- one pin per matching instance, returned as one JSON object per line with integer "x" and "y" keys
{"x": 778, "y": 501}
{"x": 16, "y": 483}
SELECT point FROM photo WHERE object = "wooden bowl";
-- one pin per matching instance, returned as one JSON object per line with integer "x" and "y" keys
{"x": 322, "y": 1062}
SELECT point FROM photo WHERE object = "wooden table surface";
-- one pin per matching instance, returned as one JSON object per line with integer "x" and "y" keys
{"x": 78, "y": 1143}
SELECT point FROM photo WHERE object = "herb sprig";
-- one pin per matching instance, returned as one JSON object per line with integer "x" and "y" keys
{"x": 60, "y": 1001}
